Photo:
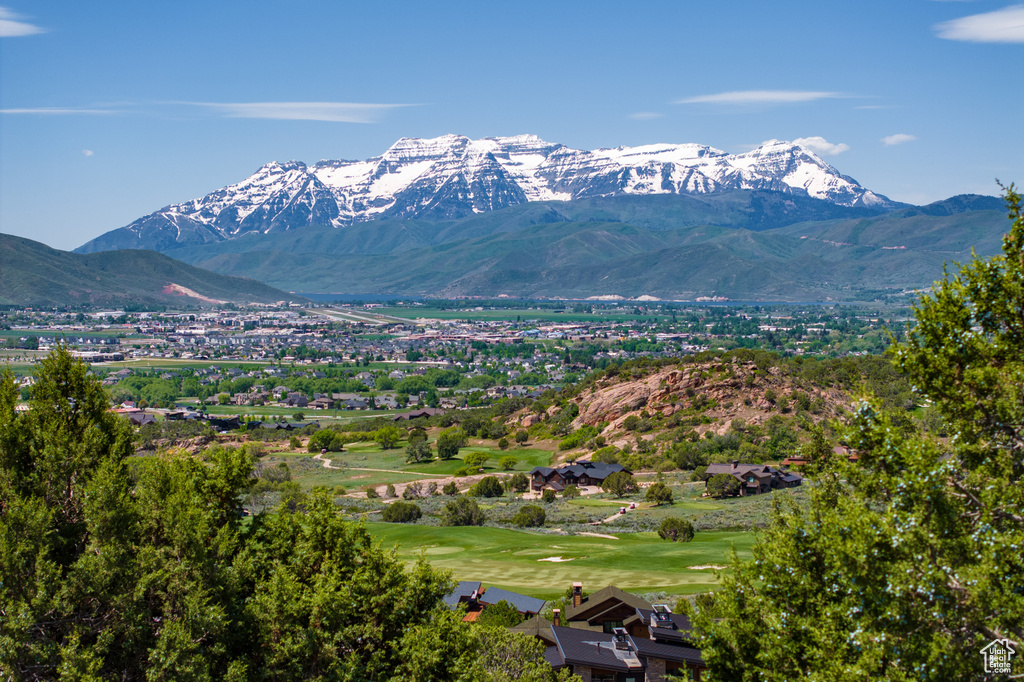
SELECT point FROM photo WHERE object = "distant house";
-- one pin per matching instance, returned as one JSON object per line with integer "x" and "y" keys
{"x": 417, "y": 414}
{"x": 141, "y": 419}
{"x": 582, "y": 472}
{"x": 755, "y": 479}
{"x": 477, "y": 599}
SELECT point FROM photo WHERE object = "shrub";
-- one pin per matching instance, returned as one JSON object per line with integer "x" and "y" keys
{"x": 371, "y": 493}
{"x": 449, "y": 442}
{"x": 503, "y": 443}
{"x": 519, "y": 482}
{"x": 571, "y": 492}
{"x": 676, "y": 530}
{"x": 619, "y": 483}
{"x": 294, "y": 443}
{"x": 722, "y": 485}
{"x": 432, "y": 488}
{"x": 464, "y": 471}
{"x": 401, "y": 512}
{"x": 489, "y": 486}
{"x": 462, "y": 511}
{"x": 548, "y": 496}
{"x": 659, "y": 493}
{"x": 475, "y": 460}
{"x": 390, "y": 492}
{"x": 419, "y": 452}
{"x": 417, "y": 435}
{"x": 298, "y": 416}
{"x": 522, "y": 436}
{"x": 388, "y": 436}
{"x": 502, "y": 615}
{"x": 508, "y": 463}
{"x": 413, "y": 491}
{"x": 326, "y": 439}
{"x": 450, "y": 488}
{"x": 530, "y": 516}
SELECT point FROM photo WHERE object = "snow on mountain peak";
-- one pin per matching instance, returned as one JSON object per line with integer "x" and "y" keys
{"x": 452, "y": 176}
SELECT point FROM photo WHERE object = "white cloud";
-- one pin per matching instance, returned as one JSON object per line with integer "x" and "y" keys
{"x": 88, "y": 152}
{"x": 1001, "y": 26}
{"x": 645, "y": 115}
{"x": 743, "y": 97}
{"x": 898, "y": 138}
{"x": 11, "y": 25}
{"x": 819, "y": 145}
{"x": 338, "y": 112}
{"x": 57, "y": 111}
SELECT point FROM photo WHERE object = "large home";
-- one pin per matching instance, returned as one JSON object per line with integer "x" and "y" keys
{"x": 755, "y": 479}
{"x": 582, "y": 472}
{"x": 614, "y": 636}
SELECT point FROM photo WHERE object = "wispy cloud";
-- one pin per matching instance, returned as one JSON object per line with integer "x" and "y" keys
{"x": 898, "y": 138}
{"x": 746, "y": 97}
{"x": 12, "y": 26}
{"x": 1001, "y": 26}
{"x": 645, "y": 115}
{"x": 337, "y": 112}
{"x": 88, "y": 152}
{"x": 58, "y": 111}
{"x": 819, "y": 145}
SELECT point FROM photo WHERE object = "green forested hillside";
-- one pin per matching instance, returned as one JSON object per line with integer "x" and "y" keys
{"x": 742, "y": 245}
{"x": 34, "y": 274}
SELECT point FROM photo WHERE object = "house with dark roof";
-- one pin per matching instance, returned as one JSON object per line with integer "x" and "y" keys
{"x": 477, "y": 599}
{"x": 755, "y": 479}
{"x": 582, "y": 472}
{"x": 620, "y": 657}
{"x": 603, "y": 611}
{"x": 463, "y": 592}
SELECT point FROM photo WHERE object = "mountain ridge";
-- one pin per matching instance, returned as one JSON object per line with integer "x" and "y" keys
{"x": 452, "y": 177}
{"x": 33, "y": 274}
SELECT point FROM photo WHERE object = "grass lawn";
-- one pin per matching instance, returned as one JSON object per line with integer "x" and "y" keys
{"x": 639, "y": 562}
{"x": 368, "y": 455}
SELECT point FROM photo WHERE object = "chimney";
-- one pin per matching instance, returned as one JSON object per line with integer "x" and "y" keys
{"x": 556, "y": 616}
{"x": 577, "y": 594}
{"x": 735, "y": 463}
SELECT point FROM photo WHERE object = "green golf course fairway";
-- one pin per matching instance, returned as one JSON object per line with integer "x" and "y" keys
{"x": 638, "y": 562}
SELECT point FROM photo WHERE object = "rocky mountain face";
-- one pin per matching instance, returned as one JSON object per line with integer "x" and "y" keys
{"x": 453, "y": 177}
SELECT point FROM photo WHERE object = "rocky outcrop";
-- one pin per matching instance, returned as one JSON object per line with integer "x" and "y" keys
{"x": 720, "y": 391}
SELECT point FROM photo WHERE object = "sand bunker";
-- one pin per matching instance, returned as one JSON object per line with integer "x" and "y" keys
{"x": 555, "y": 558}
{"x": 703, "y": 567}
{"x": 599, "y": 535}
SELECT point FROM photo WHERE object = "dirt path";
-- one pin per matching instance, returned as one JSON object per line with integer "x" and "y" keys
{"x": 614, "y": 516}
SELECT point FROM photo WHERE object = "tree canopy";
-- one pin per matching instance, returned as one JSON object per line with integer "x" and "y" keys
{"x": 908, "y": 562}
{"x": 145, "y": 571}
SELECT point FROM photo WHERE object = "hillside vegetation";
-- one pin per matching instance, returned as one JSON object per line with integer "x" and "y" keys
{"x": 742, "y": 245}
{"x": 714, "y": 407}
{"x": 33, "y": 274}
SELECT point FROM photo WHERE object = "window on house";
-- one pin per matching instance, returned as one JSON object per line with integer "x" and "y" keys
{"x": 610, "y": 625}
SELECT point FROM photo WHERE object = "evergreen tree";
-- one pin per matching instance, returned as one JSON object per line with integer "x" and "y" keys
{"x": 908, "y": 562}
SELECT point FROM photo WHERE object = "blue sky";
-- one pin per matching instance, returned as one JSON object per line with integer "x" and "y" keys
{"x": 111, "y": 110}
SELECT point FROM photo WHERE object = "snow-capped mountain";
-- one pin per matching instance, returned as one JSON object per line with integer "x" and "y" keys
{"x": 453, "y": 176}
